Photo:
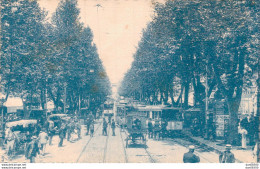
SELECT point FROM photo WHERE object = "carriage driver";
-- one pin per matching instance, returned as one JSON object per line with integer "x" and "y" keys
{"x": 136, "y": 124}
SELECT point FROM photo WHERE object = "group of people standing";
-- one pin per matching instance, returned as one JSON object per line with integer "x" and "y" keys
{"x": 105, "y": 125}
{"x": 157, "y": 130}
{"x": 65, "y": 130}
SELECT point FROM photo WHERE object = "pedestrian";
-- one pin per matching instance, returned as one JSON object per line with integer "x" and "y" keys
{"x": 37, "y": 130}
{"x": 10, "y": 140}
{"x": 113, "y": 127}
{"x": 78, "y": 128}
{"x": 252, "y": 129}
{"x": 88, "y": 125}
{"x": 91, "y": 130}
{"x": 256, "y": 150}
{"x": 104, "y": 131}
{"x": 150, "y": 128}
{"x": 43, "y": 139}
{"x": 89, "y": 121}
{"x": 227, "y": 156}
{"x": 195, "y": 127}
{"x": 190, "y": 157}
{"x": 121, "y": 123}
{"x": 32, "y": 149}
{"x": 156, "y": 129}
{"x": 109, "y": 119}
{"x": 51, "y": 133}
{"x": 243, "y": 132}
{"x": 163, "y": 132}
{"x": 69, "y": 130}
{"x": 61, "y": 135}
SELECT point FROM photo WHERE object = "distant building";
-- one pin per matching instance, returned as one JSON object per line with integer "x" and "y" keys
{"x": 13, "y": 104}
{"x": 248, "y": 105}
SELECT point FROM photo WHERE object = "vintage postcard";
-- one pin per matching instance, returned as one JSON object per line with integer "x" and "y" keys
{"x": 129, "y": 81}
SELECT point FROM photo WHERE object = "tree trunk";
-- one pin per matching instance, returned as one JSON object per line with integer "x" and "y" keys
{"x": 186, "y": 94}
{"x": 233, "y": 106}
{"x": 180, "y": 96}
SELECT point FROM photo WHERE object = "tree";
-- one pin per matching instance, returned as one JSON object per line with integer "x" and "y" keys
{"x": 22, "y": 32}
{"x": 188, "y": 36}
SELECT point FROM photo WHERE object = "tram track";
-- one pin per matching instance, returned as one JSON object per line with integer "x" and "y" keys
{"x": 105, "y": 148}
{"x": 150, "y": 156}
{"x": 151, "y": 159}
{"x": 85, "y": 147}
{"x": 126, "y": 157}
{"x": 196, "y": 152}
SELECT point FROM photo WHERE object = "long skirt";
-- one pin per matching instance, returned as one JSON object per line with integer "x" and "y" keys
{"x": 243, "y": 141}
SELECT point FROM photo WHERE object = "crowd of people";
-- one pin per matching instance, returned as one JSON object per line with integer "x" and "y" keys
{"x": 32, "y": 140}
{"x": 37, "y": 137}
{"x": 157, "y": 130}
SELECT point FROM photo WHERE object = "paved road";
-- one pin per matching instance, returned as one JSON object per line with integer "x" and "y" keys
{"x": 111, "y": 149}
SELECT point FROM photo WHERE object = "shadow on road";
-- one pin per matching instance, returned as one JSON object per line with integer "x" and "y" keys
{"x": 137, "y": 146}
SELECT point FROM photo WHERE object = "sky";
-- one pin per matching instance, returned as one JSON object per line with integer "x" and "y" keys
{"x": 117, "y": 27}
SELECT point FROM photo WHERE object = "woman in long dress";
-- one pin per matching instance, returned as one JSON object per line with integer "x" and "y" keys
{"x": 243, "y": 132}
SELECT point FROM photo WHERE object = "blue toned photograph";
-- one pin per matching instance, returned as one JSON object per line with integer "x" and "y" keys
{"x": 130, "y": 81}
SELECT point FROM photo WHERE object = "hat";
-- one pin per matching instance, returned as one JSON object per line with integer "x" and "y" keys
{"x": 34, "y": 137}
{"x": 191, "y": 147}
{"x": 228, "y": 146}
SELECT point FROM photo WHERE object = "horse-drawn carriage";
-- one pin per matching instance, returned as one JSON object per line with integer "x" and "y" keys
{"x": 136, "y": 128}
{"x": 18, "y": 134}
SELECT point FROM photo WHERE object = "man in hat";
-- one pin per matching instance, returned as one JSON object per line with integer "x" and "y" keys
{"x": 227, "y": 156}
{"x": 113, "y": 127}
{"x": 190, "y": 157}
{"x": 150, "y": 128}
{"x": 104, "y": 130}
{"x": 32, "y": 149}
{"x": 89, "y": 121}
{"x": 43, "y": 139}
{"x": 62, "y": 134}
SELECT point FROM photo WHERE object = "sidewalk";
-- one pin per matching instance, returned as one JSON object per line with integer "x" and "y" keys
{"x": 68, "y": 153}
{"x": 242, "y": 156}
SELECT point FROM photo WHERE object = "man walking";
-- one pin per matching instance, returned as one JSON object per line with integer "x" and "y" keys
{"x": 78, "y": 128}
{"x": 113, "y": 126}
{"x": 32, "y": 149}
{"x": 91, "y": 127}
{"x": 69, "y": 129}
{"x": 150, "y": 128}
{"x": 190, "y": 157}
{"x": 227, "y": 156}
{"x": 43, "y": 139}
{"x": 89, "y": 121}
{"x": 52, "y": 131}
{"x": 62, "y": 134}
{"x": 104, "y": 131}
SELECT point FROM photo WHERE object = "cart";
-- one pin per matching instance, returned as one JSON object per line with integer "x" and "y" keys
{"x": 136, "y": 128}
{"x": 22, "y": 130}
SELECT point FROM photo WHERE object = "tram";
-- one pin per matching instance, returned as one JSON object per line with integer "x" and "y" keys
{"x": 172, "y": 116}
{"x": 108, "y": 110}
{"x": 120, "y": 112}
